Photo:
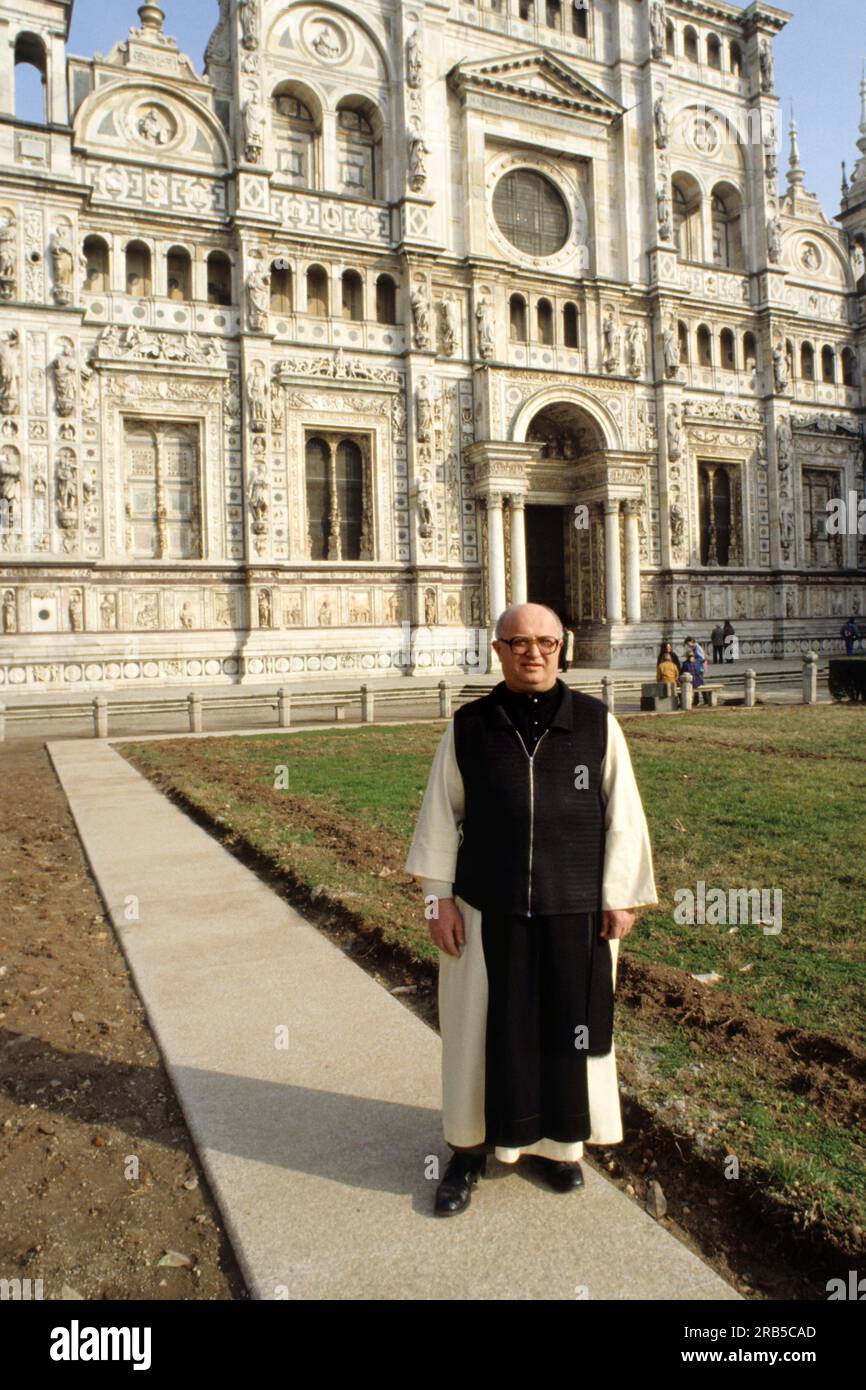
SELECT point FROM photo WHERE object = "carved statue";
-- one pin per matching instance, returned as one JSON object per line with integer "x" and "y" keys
{"x": 258, "y": 295}
{"x": 671, "y": 351}
{"x": 108, "y": 611}
{"x": 8, "y": 257}
{"x": 62, "y": 266}
{"x": 450, "y": 325}
{"x": 65, "y": 369}
{"x": 662, "y": 124}
{"x": 771, "y": 159}
{"x": 484, "y": 327}
{"x": 10, "y": 616}
{"x": 153, "y": 128}
{"x": 414, "y": 59}
{"x": 9, "y": 373}
{"x": 257, "y": 399}
{"x": 475, "y": 608}
{"x": 417, "y": 161}
{"x": 635, "y": 341}
{"x": 423, "y": 414}
{"x": 248, "y": 14}
{"x": 674, "y": 433}
{"x": 774, "y": 239}
{"x": 326, "y": 612}
{"x": 767, "y": 65}
{"x": 425, "y": 508}
{"x": 611, "y": 335}
{"x": 187, "y": 616}
{"x": 784, "y": 444}
{"x": 10, "y": 487}
{"x": 786, "y": 522}
{"x": 258, "y": 502}
{"x": 658, "y": 28}
{"x": 780, "y": 368}
{"x": 76, "y": 611}
{"x": 420, "y": 317}
{"x": 264, "y": 608}
{"x": 678, "y": 524}
{"x": 66, "y": 483}
{"x": 430, "y": 607}
{"x": 254, "y": 122}
{"x": 681, "y": 605}
{"x": 663, "y": 208}
{"x": 398, "y": 416}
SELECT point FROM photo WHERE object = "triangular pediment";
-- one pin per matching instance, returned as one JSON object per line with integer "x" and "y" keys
{"x": 538, "y": 77}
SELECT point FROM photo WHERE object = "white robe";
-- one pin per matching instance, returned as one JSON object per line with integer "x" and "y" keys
{"x": 627, "y": 882}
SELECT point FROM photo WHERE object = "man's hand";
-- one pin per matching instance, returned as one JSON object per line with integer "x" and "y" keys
{"x": 446, "y": 929}
{"x": 617, "y": 923}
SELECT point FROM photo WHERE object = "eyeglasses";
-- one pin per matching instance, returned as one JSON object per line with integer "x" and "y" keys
{"x": 519, "y": 645}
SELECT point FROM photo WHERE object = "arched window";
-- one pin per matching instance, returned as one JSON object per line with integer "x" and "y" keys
{"x": 570, "y": 329}
{"x": 736, "y": 54}
{"x": 386, "y": 300}
{"x": 31, "y": 86}
{"x": 334, "y": 474}
{"x": 828, "y": 365}
{"x": 295, "y": 134}
{"x": 138, "y": 280}
{"x": 96, "y": 276}
{"x": 687, "y": 216}
{"x": 316, "y": 468}
{"x": 750, "y": 352}
{"x": 714, "y": 490}
{"x": 524, "y": 9}
{"x": 690, "y": 44}
{"x": 178, "y": 269}
{"x": 683, "y": 340}
{"x": 727, "y": 219}
{"x": 353, "y": 295}
{"x": 358, "y": 153}
{"x": 579, "y": 19}
{"x": 714, "y": 52}
{"x": 705, "y": 346}
{"x": 728, "y": 350}
{"x": 670, "y": 40}
{"x": 553, "y": 14}
{"x": 281, "y": 288}
{"x": 219, "y": 278}
{"x": 350, "y": 492}
{"x": 544, "y": 320}
{"x": 517, "y": 319}
{"x": 317, "y": 291}
{"x": 807, "y": 362}
{"x": 849, "y": 367}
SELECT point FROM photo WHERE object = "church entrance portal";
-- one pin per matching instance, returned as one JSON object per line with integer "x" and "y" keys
{"x": 545, "y": 558}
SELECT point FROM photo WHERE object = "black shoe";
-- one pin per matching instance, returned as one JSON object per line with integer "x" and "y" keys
{"x": 562, "y": 1177}
{"x": 455, "y": 1189}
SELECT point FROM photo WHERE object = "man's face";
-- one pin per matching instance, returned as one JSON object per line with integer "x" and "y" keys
{"x": 531, "y": 669}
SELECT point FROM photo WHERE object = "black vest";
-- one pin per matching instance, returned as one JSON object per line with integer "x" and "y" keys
{"x": 531, "y": 841}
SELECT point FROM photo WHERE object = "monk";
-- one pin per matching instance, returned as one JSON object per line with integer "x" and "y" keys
{"x": 533, "y": 853}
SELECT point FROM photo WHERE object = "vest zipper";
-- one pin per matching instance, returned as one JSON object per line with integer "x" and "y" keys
{"x": 531, "y": 757}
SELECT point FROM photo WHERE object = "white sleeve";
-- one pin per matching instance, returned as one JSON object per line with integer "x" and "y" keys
{"x": 433, "y": 852}
{"x": 628, "y": 869}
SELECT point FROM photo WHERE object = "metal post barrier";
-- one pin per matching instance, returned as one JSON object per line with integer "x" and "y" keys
{"x": 284, "y": 707}
{"x": 194, "y": 702}
{"x": 366, "y": 705}
{"x": 810, "y": 678}
{"x": 687, "y": 687}
{"x": 100, "y": 717}
{"x": 608, "y": 693}
{"x": 751, "y": 687}
{"x": 444, "y": 701}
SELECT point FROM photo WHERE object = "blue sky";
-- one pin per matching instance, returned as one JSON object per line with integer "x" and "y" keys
{"x": 818, "y": 65}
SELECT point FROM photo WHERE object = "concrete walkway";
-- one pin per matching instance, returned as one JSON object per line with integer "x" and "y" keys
{"x": 316, "y": 1151}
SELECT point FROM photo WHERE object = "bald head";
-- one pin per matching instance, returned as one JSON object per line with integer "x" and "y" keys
{"x": 528, "y": 617}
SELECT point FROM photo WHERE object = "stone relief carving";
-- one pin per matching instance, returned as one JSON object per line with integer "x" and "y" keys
{"x": 450, "y": 319}
{"x": 62, "y": 264}
{"x": 9, "y": 372}
{"x": 674, "y": 432}
{"x": 8, "y": 255}
{"x": 10, "y": 613}
{"x": 339, "y": 367}
{"x": 65, "y": 371}
{"x": 258, "y": 293}
{"x": 76, "y": 611}
{"x": 143, "y": 345}
{"x": 414, "y": 59}
{"x": 257, "y": 398}
{"x": 10, "y": 488}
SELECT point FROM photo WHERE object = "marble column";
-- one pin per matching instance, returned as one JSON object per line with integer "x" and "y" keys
{"x": 495, "y": 556}
{"x": 518, "y": 549}
{"x": 612, "y": 566}
{"x": 632, "y": 563}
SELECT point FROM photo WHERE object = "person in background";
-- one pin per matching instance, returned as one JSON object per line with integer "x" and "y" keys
{"x": 668, "y": 666}
{"x": 566, "y": 651}
{"x": 850, "y": 633}
{"x": 730, "y": 641}
{"x": 692, "y": 667}
{"x": 697, "y": 653}
{"x": 717, "y": 638}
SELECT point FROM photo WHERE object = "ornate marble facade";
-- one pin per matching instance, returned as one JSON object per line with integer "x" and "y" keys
{"x": 402, "y": 312}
